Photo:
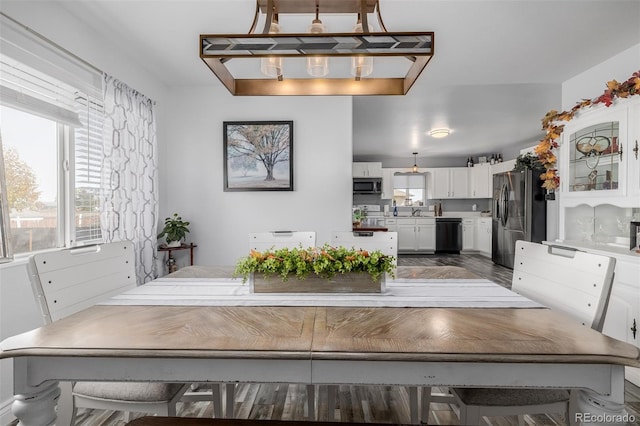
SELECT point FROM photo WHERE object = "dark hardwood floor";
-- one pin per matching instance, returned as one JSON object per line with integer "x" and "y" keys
{"x": 476, "y": 263}
{"x": 383, "y": 404}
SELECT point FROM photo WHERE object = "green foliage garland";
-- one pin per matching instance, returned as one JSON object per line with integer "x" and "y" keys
{"x": 325, "y": 261}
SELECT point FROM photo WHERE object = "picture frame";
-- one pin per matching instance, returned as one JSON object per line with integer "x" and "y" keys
{"x": 482, "y": 159}
{"x": 258, "y": 155}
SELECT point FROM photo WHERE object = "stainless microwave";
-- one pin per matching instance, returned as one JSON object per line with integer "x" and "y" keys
{"x": 367, "y": 185}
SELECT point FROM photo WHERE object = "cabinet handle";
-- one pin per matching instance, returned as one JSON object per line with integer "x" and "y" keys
{"x": 633, "y": 328}
{"x": 635, "y": 150}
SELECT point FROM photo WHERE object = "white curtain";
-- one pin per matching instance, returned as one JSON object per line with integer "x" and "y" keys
{"x": 129, "y": 180}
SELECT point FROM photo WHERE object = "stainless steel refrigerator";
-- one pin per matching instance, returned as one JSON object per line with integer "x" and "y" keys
{"x": 519, "y": 212}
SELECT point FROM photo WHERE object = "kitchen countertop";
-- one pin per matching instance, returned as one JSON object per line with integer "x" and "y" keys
{"x": 461, "y": 214}
{"x": 370, "y": 229}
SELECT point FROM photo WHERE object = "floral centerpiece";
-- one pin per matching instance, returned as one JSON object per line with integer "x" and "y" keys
{"x": 322, "y": 265}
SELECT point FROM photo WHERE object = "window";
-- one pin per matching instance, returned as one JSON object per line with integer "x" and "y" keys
{"x": 30, "y": 148}
{"x": 51, "y": 119}
{"x": 409, "y": 189}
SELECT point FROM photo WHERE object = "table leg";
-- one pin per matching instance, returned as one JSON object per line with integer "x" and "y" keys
{"x": 38, "y": 406}
{"x": 65, "y": 404}
{"x": 595, "y": 409}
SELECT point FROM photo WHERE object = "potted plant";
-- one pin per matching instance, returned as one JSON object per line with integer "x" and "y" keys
{"x": 358, "y": 216}
{"x": 174, "y": 231}
{"x": 323, "y": 269}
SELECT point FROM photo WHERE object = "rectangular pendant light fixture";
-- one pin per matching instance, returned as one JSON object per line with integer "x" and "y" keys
{"x": 217, "y": 49}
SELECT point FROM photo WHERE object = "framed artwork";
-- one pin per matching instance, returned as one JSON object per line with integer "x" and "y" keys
{"x": 258, "y": 155}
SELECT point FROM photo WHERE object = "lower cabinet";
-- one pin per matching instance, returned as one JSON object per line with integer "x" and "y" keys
{"x": 416, "y": 234}
{"x": 622, "y": 320}
{"x": 483, "y": 236}
{"x": 468, "y": 234}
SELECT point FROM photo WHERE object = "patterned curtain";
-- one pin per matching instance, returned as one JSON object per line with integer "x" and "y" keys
{"x": 129, "y": 174}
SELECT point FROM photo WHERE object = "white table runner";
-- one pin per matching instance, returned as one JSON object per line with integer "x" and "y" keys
{"x": 414, "y": 293}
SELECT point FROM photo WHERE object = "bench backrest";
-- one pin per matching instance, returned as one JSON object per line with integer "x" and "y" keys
{"x": 261, "y": 241}
{"x": 67, "y": 281}
{"x": 570, "y": 281}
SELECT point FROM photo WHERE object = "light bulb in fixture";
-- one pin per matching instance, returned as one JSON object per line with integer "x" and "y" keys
{"x": 317, "y": 66}
{"x": 361, "y": 66}
{"x": 414, "y": 169}
{"x": 439, "y": 133}
{"x": 272, "y": 66}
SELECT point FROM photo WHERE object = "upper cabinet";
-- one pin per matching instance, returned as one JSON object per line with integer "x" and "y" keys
{"x": 387, "y": 183}
{"x": 598, "y": 159}
{"x": 366, "y": 169}
{"x": 451, "y": 182}
{"x": 505, "y": 166}
{"x": 480, "y": 181}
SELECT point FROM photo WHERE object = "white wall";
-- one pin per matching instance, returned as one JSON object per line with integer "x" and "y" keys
{"x": 589, "y": 85}
{"x": 593, "y": 82}
{"x": 18, "y": 311}
{"x": 191, "y": 170}
{"x": 190, "y": 157}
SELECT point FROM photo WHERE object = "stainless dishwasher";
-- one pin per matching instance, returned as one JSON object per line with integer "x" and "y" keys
{"x": 448, "y": 235}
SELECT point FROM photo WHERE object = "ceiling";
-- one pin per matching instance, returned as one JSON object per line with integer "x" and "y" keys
{"x": 497, "y": 69}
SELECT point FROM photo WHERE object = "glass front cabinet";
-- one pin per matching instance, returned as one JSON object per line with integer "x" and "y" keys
{"x": 597, "y": 158}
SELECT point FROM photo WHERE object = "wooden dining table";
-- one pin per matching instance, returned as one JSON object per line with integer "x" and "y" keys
{"x": 324, "y": 345}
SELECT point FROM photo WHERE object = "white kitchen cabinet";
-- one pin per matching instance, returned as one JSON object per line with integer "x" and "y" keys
{"x": 441, "y": 184}
{"x": 391, "y": 224}
{"x": 505, "y": 166}
{"x": 426, "y": 238}
{"x": 623, "y": 313}
{"x": 406, "y": 229}
{"x": 598, "y": 160}
{"x": 633, "y": 152}
{"x": 468, "y": 234}
{"x": 416, "y": 234}
{"x": 387, "y": 183}
{"x": 366, "y": 169}
{"x": 483, "y": 235}
{"x": 450, "y": 182}
{"x": 480, "y": 181}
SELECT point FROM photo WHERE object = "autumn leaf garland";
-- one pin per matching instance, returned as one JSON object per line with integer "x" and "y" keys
{"x": 545, "y": 149}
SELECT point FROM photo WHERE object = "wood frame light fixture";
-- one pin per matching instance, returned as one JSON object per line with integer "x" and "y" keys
{"x": 217, "y": 49}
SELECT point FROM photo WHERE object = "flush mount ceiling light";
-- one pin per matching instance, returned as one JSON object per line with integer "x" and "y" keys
{"x": 439, "y": 133}
{"x": 273, "y": 46}
{"x": 414, "y": 169}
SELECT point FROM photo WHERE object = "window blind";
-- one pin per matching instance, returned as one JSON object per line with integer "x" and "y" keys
{"x": 41, "y": 78}
{"x": 26, "y": 89}
{"x": 88, "y": 169}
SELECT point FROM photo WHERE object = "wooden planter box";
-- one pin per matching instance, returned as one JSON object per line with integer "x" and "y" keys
{"x": 341, "y": 283}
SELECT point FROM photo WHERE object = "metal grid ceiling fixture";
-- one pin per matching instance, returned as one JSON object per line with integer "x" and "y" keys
{"x": 272, "y": 46}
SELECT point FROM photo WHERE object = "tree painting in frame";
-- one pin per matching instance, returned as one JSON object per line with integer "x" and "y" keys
{"x": 258, "y": 155}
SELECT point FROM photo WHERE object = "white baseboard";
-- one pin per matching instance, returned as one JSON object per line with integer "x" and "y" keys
{"x": 6, "y": 416}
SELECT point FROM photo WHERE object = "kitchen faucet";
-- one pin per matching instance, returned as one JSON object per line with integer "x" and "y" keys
{"x": 415, "y": 212}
